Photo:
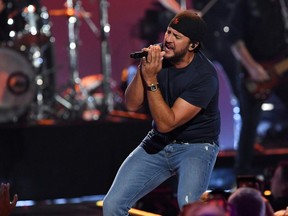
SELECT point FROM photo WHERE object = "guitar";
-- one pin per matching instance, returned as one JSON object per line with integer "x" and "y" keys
{"x": 262, "y": 90}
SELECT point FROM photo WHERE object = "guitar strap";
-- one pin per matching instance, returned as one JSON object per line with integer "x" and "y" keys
{"x": 284, "y": 12}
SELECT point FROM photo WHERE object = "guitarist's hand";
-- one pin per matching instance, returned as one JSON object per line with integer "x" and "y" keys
{"x": 258, "y": 73}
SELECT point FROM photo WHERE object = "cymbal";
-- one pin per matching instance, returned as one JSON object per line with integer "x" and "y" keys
{"x": 69, "y": 12}
{"x": 92, "y": 82}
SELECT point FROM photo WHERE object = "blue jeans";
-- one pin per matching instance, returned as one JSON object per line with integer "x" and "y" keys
{"x": 142, "y": 172}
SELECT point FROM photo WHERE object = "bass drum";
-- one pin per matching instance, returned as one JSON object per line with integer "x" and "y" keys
{"x": 17, "y": 86}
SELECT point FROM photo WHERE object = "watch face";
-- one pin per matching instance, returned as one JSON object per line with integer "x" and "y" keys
{"x": 152, "y": 87}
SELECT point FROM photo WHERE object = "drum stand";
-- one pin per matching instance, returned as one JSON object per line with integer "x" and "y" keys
{"x": 40, "y": 109}
{"x": 39, "y": 52}
{"x": 74, "y": 107}
{"x": 108, "y": 105}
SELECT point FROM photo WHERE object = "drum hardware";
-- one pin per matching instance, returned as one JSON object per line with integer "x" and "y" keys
{"x": 33, "y": 37}
{"x": 41, "y": 108}
{"x": 183, "y": 5}
{"x": 69, "y": 12}
{"x": 37, "y": 28}
{"x": 108, "y": 105}
{"x": 77, "y": 97}
{"x": 18, "y": 83}
{"x": 207, "y": 7}
{"x": 26, "y": 64}
{"x": 72, "y": 100}
{"x": 28, "y": 25}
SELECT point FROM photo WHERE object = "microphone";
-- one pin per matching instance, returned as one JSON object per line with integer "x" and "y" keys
{"x": 140, "y": 54}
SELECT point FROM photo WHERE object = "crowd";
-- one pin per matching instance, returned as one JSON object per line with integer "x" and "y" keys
{"x": 247, "y": 199}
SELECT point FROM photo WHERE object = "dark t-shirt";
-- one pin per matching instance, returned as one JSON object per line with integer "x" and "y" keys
{"x": 198, "y": 85}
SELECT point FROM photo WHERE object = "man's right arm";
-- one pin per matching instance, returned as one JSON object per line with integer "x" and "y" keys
{"x": 134, "y": 94}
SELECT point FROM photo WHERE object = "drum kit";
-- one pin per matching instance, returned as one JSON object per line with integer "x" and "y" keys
{"x": 27, "y": 66}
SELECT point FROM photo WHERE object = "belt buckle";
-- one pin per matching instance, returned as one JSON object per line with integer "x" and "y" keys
{"x": 180, "y": 142}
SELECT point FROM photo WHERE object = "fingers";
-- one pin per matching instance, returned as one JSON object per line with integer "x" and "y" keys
{"x": 8, "y": 186}
{"x": 5, "y": 192}
{"x": 154, "y": 54}
{"x": 5, "y": 195}
{"x": 14, "y": 201}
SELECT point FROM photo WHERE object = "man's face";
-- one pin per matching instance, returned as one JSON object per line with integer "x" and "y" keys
{"x": 176, "y": 45}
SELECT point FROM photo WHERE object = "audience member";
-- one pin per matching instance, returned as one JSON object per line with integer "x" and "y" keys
{"x": 6, "y": 207}
{"x": 255, "y": 182}
{"x": 203, "y": 209}
{"x": 249, "y": 202}
{"x": 279, "y": 186}
{"x": 211, "y": 203}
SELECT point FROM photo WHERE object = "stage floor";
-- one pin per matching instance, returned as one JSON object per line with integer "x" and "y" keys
{"x": 75, "y": 161}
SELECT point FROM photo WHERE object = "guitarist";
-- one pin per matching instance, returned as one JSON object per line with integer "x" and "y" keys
{"x": 258, "y": 34}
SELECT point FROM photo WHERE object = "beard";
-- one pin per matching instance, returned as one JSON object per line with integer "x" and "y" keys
{"x": 178, "y": 56}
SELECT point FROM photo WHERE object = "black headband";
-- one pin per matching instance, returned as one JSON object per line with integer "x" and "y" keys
{"x": 189, "y": 24}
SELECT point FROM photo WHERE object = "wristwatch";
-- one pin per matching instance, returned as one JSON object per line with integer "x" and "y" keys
{"x": 153, "y": 87}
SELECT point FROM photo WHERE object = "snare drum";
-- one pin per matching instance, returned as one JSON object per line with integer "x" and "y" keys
{"x": 17, "y": 87}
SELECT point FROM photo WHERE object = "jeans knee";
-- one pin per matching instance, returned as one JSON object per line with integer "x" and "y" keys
{"x": 107, "y": 206}
{"x": 111, "y": 207}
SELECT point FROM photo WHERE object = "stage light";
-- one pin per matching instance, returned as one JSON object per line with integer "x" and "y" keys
{"x": 106, "y": 28}
{"x": 267, "y": 106}
{"x": 10, "y": 21}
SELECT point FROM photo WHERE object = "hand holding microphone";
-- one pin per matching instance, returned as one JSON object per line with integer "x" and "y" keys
{"x": 140, "y": 54}
{"x": 151, "y": 65}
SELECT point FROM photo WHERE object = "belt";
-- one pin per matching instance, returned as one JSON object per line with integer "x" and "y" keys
{"x": 168, "y": 140}
{"x": 190, "y": 142}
